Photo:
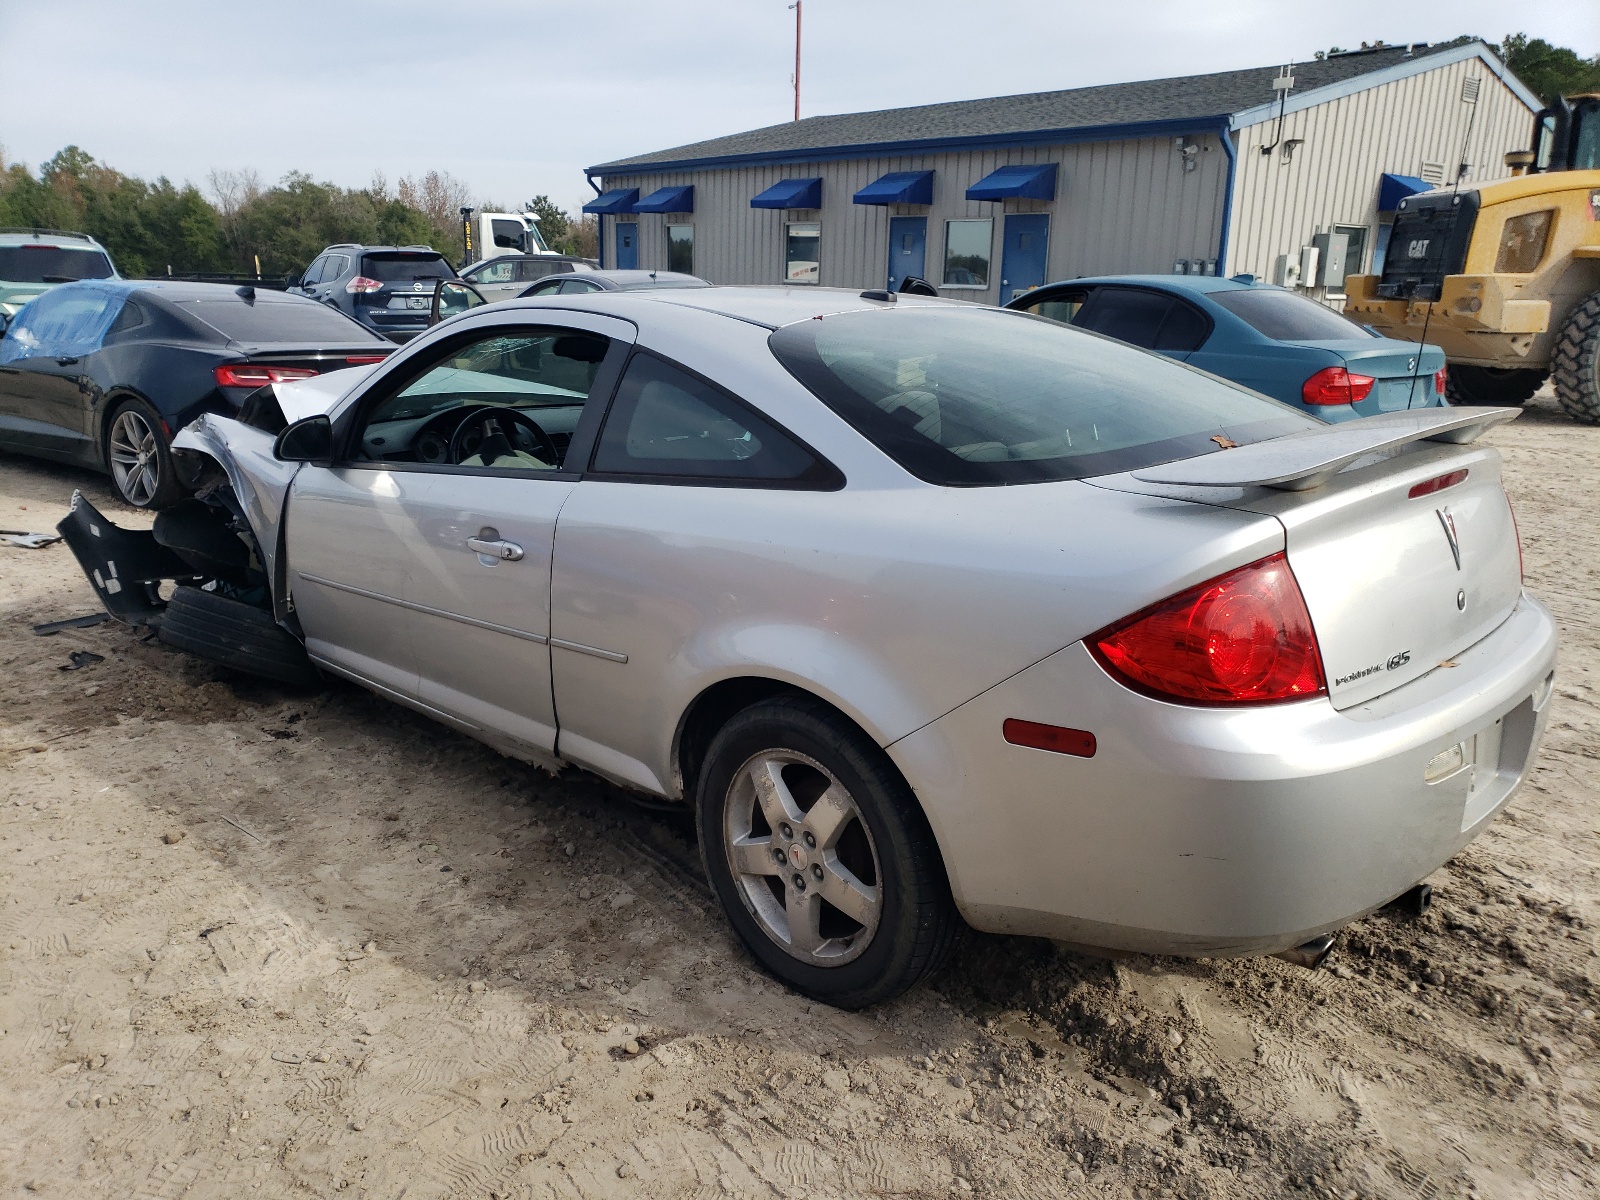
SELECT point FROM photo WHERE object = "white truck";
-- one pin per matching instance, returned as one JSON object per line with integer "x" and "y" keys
{"x": 489, "y": 234}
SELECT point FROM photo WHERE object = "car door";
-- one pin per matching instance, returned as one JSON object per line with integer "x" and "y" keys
{"x": 308, "y": 280}
{"x": 45, "y": 360}
{"x": 497, "y": 280}
{"x": 677, "y": 463}
{"x": 447, "y": 598}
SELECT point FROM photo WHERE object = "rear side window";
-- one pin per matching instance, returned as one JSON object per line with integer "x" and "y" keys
{"x": 667, "y": 422}
{"x": 530, "y": 269}
{"x": 402, "y": 268}
{"x": 1150, "y": 320}
{"x": 67, "y": 321}
{"x": 52, "y": 264}
{"x": 968, "y": 397}
{"x": 279, "y": 320}
{"x": 1285, "y": 317}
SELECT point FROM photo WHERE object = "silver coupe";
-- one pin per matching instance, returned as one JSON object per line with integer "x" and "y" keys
{"x": 931, "y": 612}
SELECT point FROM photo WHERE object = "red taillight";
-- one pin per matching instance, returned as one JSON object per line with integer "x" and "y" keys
{"x": 361, "y": 360}
{"x": 361, "y": 285}
{"x": 254, "y": 375}
{"x": 1242, "y": 638}
{"x": 1335, "y": 385}
{"x": 1437, "y": 484}
{"x": 1440, "y": 378}
{"x": 1079, "y": 742}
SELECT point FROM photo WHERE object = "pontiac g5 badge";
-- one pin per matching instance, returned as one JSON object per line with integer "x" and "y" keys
{"x": 1449, "y": 523}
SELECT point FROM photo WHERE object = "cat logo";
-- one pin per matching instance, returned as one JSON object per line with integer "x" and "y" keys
{"x": 1418, "y": 248}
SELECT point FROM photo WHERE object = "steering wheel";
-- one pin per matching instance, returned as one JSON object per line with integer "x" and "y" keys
{"x": 484, "y": 421}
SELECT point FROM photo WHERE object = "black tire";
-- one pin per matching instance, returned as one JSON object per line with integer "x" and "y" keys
{"x": 151, "y": 481}
{"x": 916, "y": 920}
{"x": 1577, "y": 363}
{"x": 1503, "y": 386}
{"x": 234, "y": 634}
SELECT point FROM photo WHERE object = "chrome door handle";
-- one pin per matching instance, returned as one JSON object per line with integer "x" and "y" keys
{"x": 509, "y": 551}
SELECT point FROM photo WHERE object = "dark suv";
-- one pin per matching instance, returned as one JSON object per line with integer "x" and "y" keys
{"x": 389, "y": 289}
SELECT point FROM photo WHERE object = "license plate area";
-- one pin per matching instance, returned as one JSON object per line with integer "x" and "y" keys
{"x": 410, "y": 302}
{"x": 1485, "y": 788}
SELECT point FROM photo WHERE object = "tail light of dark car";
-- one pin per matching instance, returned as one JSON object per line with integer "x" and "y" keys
{"x": 1335, "y": 385}
{"x": 254, "y": 375}
{"x": 362, "y": 286}
{"x": 1241, "y": 638}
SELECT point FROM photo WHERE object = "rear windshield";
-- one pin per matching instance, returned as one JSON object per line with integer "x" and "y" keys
{"x": 279, "y": 320}
{"x": 1285, "y": 317}
{"x": 965, "y": 397}
{"x": 401, "y": 268}
{"x": 51, "y": 264}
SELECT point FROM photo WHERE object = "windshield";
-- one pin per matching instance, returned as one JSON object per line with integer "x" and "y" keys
{"x": 280, "y": 320}
{"x": 402, "y": 268}
{"x": 52, "y": 264}
{"x": 967, "y": 397}
{"x": 1285, "y": 317}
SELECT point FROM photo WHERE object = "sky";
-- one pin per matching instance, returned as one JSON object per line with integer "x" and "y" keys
{"x": 516, "y": 97}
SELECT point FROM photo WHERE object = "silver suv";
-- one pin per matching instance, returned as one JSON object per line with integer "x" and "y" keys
{"x": 33, "y": 261}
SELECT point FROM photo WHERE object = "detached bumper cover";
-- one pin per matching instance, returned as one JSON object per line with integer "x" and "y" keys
{"x": 124, "y": 565}
{"x": 1209, "y": 831}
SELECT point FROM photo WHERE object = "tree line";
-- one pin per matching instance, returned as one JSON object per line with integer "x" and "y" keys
{"x": 239, "y": 225}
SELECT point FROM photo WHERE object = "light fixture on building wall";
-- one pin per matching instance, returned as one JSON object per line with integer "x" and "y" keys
{"x": 1189, "y": 148}
{"x": 1289, "y": 145}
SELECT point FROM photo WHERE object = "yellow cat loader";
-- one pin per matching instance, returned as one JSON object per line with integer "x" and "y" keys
{"x": 1505, "y": 276}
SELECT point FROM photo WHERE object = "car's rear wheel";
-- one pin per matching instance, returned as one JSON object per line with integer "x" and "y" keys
{"x": 139, "y": 458}
{"x": 820, "y": 856}
{"x": 1492, "y": 385}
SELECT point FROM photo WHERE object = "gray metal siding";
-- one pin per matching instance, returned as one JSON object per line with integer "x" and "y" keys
{"x": 1121, "y": 206}
{"x": 1349, "y": 143}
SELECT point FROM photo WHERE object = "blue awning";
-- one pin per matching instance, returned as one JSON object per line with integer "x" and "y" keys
{"x": 898, "y": 187}
{"x": 668, "y": 199}
{"x": 791, "y": 193}
{"x": 1037, "y": 182}
{"x": 613, "y": 203}
{"x": 1394, "y": 188}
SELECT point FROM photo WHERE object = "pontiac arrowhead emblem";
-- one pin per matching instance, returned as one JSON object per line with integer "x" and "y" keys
{"x": 1449, "y": 523}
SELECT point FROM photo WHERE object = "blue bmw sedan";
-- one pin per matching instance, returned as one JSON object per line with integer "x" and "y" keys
{"x": 1266, "y": 338}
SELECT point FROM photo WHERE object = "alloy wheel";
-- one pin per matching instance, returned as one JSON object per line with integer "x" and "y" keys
{"x": 135, "y": 457}
{"x": 803, "y": 857}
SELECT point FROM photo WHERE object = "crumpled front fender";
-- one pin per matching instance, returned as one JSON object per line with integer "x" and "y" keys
{"x": 260, "y": 483}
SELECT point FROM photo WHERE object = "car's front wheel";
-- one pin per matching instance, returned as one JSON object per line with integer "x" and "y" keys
{"x": 139, "y": 458}
{"x": 820, "y": 856}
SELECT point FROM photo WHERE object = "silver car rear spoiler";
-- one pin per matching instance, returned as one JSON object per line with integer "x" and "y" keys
{"x": 1302, "y": 461}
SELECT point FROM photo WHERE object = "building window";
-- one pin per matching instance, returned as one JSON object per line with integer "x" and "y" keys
{"x": 967, "y": 246}
{"x": 680, "y": 248}
{"x": 802, "y": 253}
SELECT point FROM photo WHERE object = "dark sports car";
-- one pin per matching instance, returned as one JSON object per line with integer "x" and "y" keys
{"x": 103, "y": 372}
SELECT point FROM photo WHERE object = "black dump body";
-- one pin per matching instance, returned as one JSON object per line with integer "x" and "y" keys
{"x": 1429, "y": 241}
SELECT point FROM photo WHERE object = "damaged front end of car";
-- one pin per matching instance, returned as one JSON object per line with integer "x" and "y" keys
{"x": 205, "y": 575}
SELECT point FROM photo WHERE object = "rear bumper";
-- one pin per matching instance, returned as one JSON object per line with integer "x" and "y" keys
{"x": 1214, "y": 832}
{"x": 1477, "y": 319}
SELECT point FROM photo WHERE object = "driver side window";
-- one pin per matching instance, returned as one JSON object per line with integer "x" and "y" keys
{"x": 508, "y": 400}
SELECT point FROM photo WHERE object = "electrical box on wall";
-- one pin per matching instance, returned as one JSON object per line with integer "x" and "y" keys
{"x": 1333, "y": 249}
{"x": 1308, "y": 266}
{"x": 1286, "y": 272}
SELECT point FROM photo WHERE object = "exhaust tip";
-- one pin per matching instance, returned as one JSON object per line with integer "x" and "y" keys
{"x": 1309, "y": 955}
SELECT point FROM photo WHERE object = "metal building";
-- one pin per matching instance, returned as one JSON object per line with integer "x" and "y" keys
{"x": 1229, "y": 172}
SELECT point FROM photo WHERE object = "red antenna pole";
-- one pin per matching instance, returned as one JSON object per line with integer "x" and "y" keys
{"x": 796, "y": 7}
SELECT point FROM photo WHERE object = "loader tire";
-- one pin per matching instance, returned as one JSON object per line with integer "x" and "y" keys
{"x": 1492, "y": 385}
{"x": 234, "y": 634}
{"x": 1576, "y": 365}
